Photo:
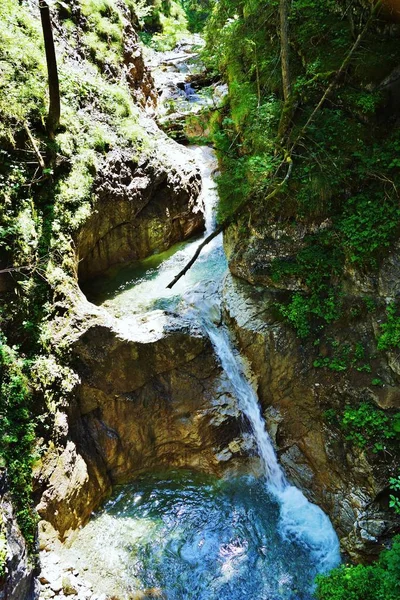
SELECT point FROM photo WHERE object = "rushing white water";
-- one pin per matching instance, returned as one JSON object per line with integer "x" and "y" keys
{"x": 299, "y": 518}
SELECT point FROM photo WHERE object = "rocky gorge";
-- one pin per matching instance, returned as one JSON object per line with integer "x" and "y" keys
{"x": 149, "y": 391}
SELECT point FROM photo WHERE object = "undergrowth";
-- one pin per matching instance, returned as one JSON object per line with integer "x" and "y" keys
{"x": 380, "y": 581}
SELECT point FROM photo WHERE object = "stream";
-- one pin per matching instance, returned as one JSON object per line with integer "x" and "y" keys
{"x": 186, "y": 536}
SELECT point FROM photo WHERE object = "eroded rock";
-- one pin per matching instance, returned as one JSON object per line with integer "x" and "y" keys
{"x": 152, "y": 396}
{"x": 19, "y": 581}
{"x": 142, "y": 207}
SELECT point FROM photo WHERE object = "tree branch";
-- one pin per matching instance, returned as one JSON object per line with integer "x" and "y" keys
{"x": 288, "y": 153}
{"x": 226, "y": 223}
{"x": 338, "y": 75}
{"x": 34, "y": 146}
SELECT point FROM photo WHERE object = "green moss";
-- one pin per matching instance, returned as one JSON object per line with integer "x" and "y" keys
{"x": 17, "y": 435}
{"x": 22, "y": 69}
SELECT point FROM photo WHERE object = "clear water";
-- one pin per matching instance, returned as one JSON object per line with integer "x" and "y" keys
{"x": 142, "y": 286}
{"x": 193, "y": 537}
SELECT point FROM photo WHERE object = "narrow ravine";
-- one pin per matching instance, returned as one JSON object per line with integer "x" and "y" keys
{"x": 186, "y": 536}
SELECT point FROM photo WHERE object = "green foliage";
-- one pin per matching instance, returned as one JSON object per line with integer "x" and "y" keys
{"x": 17, "y": 435}
{"x": 164, "y": 25}
{"x": 197, "y": 12}
{"x": 369, "y": 225}
{"x": 315, "y": 265}
{"x": 394, "y": 499}
{"x": 345, "y": 170}
{"x": 22, "y": 68}
{"x": 390, "y": 336}
{"x": 380, "y": 581}
{"x": 342, "y": 356}
{"x": 104, "y": 35}
{"x": 368, "y": 426}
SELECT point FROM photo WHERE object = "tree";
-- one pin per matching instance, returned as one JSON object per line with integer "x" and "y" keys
{"x": 53, "y": 117}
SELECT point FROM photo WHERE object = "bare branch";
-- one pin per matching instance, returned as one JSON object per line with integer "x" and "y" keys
{"x": 34, "y": 146}
{"x": 226, "y": 223}
{"x": 287, "y": 153}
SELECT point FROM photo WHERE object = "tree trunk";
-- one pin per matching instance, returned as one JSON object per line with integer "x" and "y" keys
{"x": 288, "y": 106}
{"x": 53, "y": 118}
{"x": 283, "y": 13}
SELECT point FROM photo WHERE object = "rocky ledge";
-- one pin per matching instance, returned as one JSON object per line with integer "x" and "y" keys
{"x": 19, "y": 580}
{"x": 152, "y": 395}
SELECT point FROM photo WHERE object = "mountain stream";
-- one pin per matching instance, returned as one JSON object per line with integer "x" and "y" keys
{"x": 188, "y": 536}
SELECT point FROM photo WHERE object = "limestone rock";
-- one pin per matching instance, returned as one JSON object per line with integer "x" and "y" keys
{"x": 348, "y": 484}
{"x": 157, "y": 402}
{"x": 19, "y": 583}
{"x": 72, "y": 488}
{"x": 152, "y": 395}
{"x": 142, "y": 207}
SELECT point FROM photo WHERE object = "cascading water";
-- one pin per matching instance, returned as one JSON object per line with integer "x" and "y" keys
{"x": 299, "y": 519}
{"x": 192, "y": 536}
{"x": 183, "y": 536}
{"x": 190, "y": 93}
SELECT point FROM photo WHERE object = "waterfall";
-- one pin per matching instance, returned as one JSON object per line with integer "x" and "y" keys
{"x": 197, "y": 296}
{"x": 299, "y": 518}
{"x": 190, "y": 93}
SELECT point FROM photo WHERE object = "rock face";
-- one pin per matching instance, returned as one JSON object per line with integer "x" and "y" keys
{"x": 348, "y": 483}
{"x": 141, "y": 208}
{"x": 19, "y": 582}
{"x": 152, "y": 396}
{"x": 138, "y": 75}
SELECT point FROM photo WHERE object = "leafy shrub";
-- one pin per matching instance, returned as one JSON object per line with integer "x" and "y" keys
{"x": 390, "y": 337}
{"x": 380, "y": 581}
{"x": 394, "y": 501}
{"x": 17, "y": 435}
{"x": 369, "y": 426}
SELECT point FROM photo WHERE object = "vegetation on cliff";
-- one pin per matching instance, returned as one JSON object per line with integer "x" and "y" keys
{"x": 313, "y": 103}
{"x": 374, "y": 582}
{"x": 46, "y": 193}
{"x": 336, "y": 123}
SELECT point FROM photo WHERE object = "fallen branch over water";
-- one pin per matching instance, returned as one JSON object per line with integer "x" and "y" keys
{"x": 226, "y": 224}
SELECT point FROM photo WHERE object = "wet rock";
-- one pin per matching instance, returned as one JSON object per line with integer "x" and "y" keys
{"x": 142, "y": 207}
{"x": 138, "y": 75}
{"x": 348, "y": 483}
{"x": 152, "y": 400}
{"x": 152, "y": 395}
{"x": 19, "y": 582}
{"x": 72, "y": 488}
